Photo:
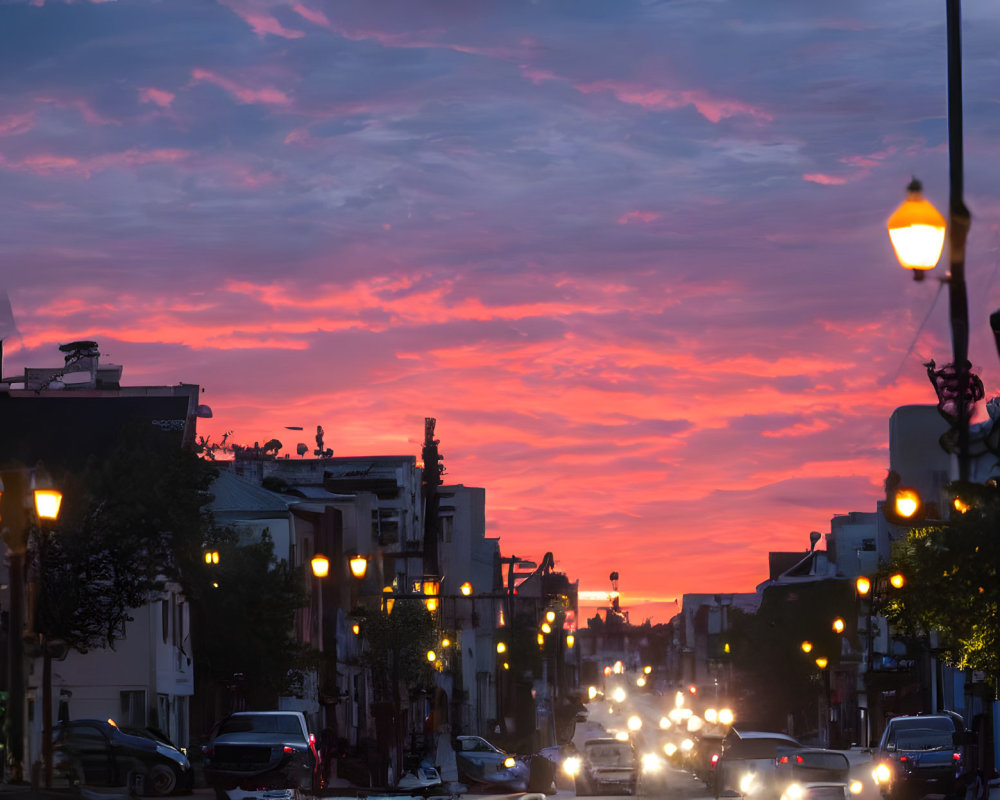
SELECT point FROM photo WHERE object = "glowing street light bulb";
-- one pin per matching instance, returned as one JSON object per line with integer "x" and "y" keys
{"x": 916, "y": 230}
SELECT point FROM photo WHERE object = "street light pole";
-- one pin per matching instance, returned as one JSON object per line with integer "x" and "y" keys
{"x": 15, "y": 534}
{"x": 959, "y": 223}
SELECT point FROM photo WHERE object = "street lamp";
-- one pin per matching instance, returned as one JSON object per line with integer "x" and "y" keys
{"x": 320, "y": 569}
{"x": 359, "y": 566}
{"x": 18, "y": 487}
{"x": 917, "y": 221}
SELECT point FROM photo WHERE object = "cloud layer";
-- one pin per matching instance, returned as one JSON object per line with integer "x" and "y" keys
{"x": 630, "y": 255}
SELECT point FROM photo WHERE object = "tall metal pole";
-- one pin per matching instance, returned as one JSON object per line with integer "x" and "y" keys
{"x": 15, "y": 534}
{"x": 958, "y": 226}
{"x": 958, "y": 230}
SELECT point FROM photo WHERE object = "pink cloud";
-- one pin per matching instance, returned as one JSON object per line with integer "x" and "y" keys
{"x": 638, "y": 216}
{"x": 257, "y": 15}
{"x": 160, "y": 97}
{"x": 49, "y": 163}
{"x": 825, "y": 180}
{"x": 315, "y": 17}
{"x": 243, "y": 94}
{"x": 711, "y": 108}
{"x": 82, "y": 107}
{"x": 536, "y": 75}
{"x": 17, "y": 123}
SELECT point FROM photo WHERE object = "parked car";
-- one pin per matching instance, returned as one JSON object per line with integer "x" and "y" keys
{"x": 94, "y": 752}
{"x": 814, "y": 774}
{"x": 480, "y": 762}
{"x": 920, "y": 755}
{"x": 747, "y": 762}
{"x": 607, "y": 765}
{"x": 252, "y": 750}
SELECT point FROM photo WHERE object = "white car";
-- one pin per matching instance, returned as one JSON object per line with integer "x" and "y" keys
{"x": 481, "y": 762}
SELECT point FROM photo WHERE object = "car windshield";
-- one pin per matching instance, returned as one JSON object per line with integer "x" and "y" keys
{"x": 269, "y": 723}
{"x": 923, "y": 739}
{"x": 755, "y": 748}
{"x": 609, "y": 753}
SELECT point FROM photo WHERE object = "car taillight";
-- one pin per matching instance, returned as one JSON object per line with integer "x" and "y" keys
{"x": 957, "y": 756}
{"x": 289, "y": 749}
{"x": 206, "y": 750}
{"x": 715, "y": 759}
{"x": 903, "y": 758}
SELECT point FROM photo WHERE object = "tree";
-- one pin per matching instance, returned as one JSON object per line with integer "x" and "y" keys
{"x": 132, "y": 521}
{"x": 243, "y": 626}
{"x": 952, "y": 586}
{"x": 396, "y": 646}
{"x": 777, "y": 678}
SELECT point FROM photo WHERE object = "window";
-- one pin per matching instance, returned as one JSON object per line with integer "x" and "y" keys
{"x": 163, "y": 713}
{"x": 165, "y": 617}
{"x": 133, "y": 708}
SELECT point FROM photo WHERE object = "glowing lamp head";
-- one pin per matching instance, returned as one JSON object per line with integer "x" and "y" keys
{"x": 906, "y": 502}
{"x": 839, "y": 625}
{"x": 806, "y": 646}
{"x": 916, "y": 230}
{"x": 320, "y": 565}
{"x": 897, "y": 581}
{"x": 359, "y": 566}
{"x": 47, "y": 502}
{"x": 822, "y": 662}
{"x": 465, "y": 589}
{"x": 863, "y": 585}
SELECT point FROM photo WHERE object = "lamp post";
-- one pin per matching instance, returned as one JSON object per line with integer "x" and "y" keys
{"x": 18, "y": 488}
{"x": 320, "y": 565}
{"x": 916, "y": 230}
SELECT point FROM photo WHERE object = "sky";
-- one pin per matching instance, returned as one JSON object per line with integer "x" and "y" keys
{"x": 630, "y": 255}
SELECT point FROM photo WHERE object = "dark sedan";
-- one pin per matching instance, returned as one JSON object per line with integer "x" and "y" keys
{"x": 255, "y": 750}
{"x": 94, "y": 752}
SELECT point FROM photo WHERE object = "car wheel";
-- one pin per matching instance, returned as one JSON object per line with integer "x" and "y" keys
{"x": 161, "y": 781}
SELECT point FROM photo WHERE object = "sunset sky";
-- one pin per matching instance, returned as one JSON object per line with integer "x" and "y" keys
{"x": 631, "y": 255}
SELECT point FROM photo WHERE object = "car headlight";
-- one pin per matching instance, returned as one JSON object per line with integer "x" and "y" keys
{"x": 571, "y": 766}
{"x": 882, "y": 773}
{"x": 855, "y": 787}
{"x": 651, "y": 763}
{"x": 794, "y": 791}
{"x": 509, "y": 762}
